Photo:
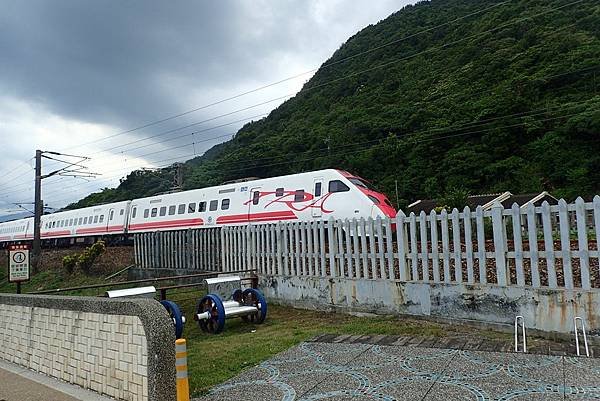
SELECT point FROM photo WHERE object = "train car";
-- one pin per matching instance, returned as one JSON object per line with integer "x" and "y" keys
{"x": 311, "y": 196}
{"x": 16, "y": 230}
{"x": 94, "y": 221}
{"x": 317, "y": 195}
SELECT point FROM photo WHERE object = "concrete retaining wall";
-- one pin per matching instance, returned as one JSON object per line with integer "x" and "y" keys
{"x": 122, "y": 348}
{"x": 543, "y": 309}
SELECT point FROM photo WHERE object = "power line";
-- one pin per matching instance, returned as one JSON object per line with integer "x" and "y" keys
{"x": 380, "y": 142}
{"x": 305, "y": 90}
{"x": 324, "y": 66}
{"x": 414, "y": 55}
{"x": 461, "y": 126}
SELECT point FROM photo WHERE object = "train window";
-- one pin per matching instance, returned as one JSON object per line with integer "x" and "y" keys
{"x": 374, "y": 199}
{"x": 154, "y": 210}
{"x": 112, "y": 214}
{"x": 85, "y": 220}
{"x": 171, "y": 210}
{"x": 121, "y": 212}
{"x": 202, "y": 207}
{"x": 95, "y": 219}
{"x": 163, "y": 211}
{"x": 225, "y": 204}
{"x": 255, "y": 197}
{"x": 71, "y": 222}
{"x": 146, "y": 213}
{"x": 279, "y": 192}
{"x": 101, "y": 218}
{"x": 181, "y": 209}
{"x": 133, "y": 212}
{"x": 299, "y": 195}
{"x": 213, "y": 205}
{"x": 317, "y": 189}
{"x": 90, "y": 219}
{"x": 338, "y": 186}
{"x": 191, "y": 207}
{"x": 80, "y": 220}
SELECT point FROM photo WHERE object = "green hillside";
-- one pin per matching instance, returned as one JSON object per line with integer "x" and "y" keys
{"x": 444, "y": 96}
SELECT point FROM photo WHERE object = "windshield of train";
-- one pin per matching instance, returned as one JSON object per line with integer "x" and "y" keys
{"x": 359, "y": 183}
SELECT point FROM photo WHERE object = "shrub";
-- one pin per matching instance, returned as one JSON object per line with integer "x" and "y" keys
{"x": 69, "y": 262}
{"x": 85, "y": 259}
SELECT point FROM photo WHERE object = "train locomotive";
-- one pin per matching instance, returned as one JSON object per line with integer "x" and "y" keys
{"x": 310, "y": 196}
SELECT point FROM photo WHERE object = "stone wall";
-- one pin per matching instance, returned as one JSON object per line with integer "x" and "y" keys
{"x": 550, "y": 310}
{"x": 120, "y": 348}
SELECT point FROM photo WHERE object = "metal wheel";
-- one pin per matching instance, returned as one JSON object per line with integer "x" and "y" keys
{"x": 237, "y": 295}
{"x": 212, "y": 304}
{"x": 176, "y": 316}
{"x": 253, "y": 297}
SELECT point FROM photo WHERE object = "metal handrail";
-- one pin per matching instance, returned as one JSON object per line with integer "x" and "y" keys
{"x": 149, "y": 280}
{"x": 517, "y": 334}
{"x": 587, "y": 350}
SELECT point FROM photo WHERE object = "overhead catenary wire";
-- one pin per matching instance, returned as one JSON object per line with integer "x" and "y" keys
{"x": 278, "y": 82}
{"x": 389, "y": 63}
{"x": 439, "y": 47}
{"x": 380, "y": 141}
{"x": 307, "y": 89}
{"x": 472, "y": 124}
{"x": 468, "y": 125}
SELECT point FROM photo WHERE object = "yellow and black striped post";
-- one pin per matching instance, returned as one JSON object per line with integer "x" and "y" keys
{"x": 183, "y": 386}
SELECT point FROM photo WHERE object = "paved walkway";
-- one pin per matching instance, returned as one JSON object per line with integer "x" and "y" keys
{"x": 20, "y": 384}
{"x": 345, "y": 371}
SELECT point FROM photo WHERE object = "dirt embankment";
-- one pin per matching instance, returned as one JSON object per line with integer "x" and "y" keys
{"x": 112, "y": 260}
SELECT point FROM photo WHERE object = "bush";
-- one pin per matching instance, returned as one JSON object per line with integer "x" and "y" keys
{"x": 85, "y": 259}
{"x": 69, "y": 262}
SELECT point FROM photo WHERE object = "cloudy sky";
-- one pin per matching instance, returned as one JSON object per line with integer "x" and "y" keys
{"x": 75, "y": 76}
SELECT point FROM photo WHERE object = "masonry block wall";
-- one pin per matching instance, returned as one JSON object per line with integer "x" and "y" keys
{"x": 120, "y": 348}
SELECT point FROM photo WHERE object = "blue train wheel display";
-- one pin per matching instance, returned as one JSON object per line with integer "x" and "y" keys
{"x": 237, "y": 295}
{"x": 213, "y": 306}
{"x": 253, "y": 297}
{"x": 175, "y": 314}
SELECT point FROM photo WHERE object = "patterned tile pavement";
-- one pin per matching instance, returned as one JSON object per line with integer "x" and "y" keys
{"x": 350, "y": 370}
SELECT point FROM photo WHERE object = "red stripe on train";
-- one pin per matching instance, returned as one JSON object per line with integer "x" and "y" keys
{"x": 99, "y": 230}
{"x": 167, "y": 224}
{"x": 55, "y": 233}
{"x": 265, "y": 216}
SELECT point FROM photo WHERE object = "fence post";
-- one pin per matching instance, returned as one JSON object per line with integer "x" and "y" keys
{"x": 401, "y": 240}
{"x": 582, "y": 240}
{"x": 424, "y": 246}
{"x": 330, "y": 246}
{"x": 565, "y": 243}
{"x": 549, "y": 245}
{"x": 518, "y": 243}
{"x": 499, "y": 245}
{"x": 597, "y": 224}
{"x": 223, "y": 250}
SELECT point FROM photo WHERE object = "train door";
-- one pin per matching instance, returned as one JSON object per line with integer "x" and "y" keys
{"x": 133, "y": 211}
{"x": 111, "y": 218}
{"x": 317, "y": 212}
{"x": 253, "y": 203}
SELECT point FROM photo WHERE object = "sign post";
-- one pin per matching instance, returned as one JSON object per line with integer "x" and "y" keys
{"x": 18, "y": 265}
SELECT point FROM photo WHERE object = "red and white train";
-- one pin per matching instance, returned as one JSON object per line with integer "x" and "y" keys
{"x": 316, "y": 195}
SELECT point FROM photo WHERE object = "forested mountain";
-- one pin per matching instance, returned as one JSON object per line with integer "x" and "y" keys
{"x": 447, "y": 95}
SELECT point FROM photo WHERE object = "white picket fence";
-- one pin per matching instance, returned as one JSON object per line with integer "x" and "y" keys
{"x": 548, "y": 246}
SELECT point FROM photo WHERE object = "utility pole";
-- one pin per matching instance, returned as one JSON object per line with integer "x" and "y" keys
{"x": 71, "y": 169}
{"x": 37, "y": 212}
